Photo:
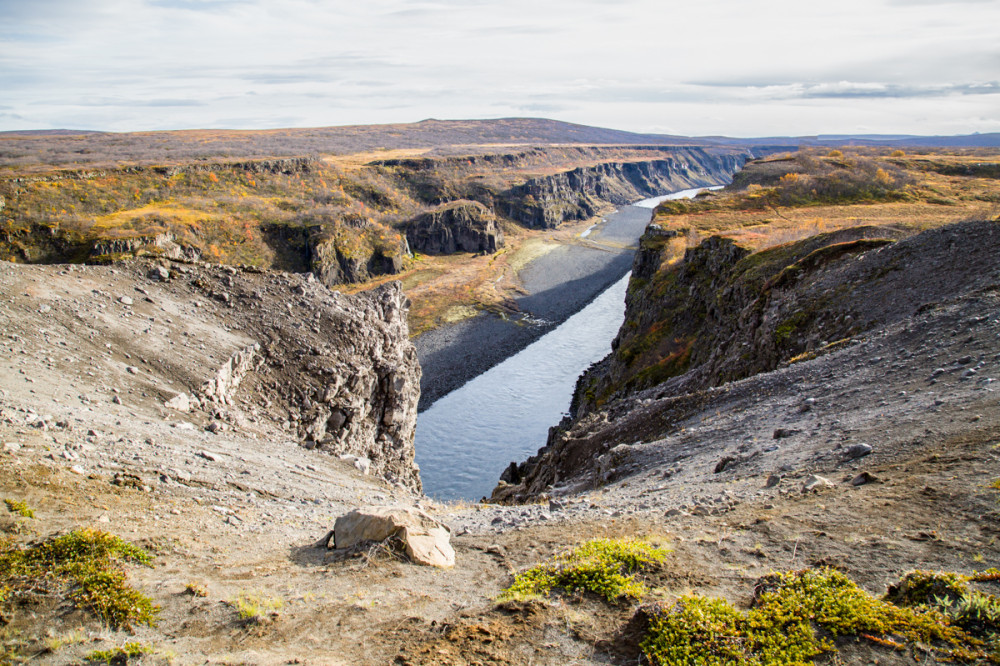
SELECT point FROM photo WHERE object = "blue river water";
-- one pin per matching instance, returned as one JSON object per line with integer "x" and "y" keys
{"x": 466, "y": 439}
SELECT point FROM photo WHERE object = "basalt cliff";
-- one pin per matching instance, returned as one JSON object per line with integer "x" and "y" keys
{"x": 344, "y": 222}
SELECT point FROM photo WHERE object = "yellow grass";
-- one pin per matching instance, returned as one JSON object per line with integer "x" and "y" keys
{"x": 172, "y": 213}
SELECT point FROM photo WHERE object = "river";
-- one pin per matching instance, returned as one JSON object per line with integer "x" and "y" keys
{"x": 466, "y": 439}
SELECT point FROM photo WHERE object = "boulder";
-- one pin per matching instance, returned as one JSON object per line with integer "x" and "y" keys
{"x": 426, "y": 540}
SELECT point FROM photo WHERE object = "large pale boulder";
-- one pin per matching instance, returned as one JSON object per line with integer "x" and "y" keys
{"x": 425, "y": 539}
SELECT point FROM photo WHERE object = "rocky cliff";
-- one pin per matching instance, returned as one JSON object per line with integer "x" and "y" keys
{"x": 547, "y": 201}
{"x": 723, "y": 313}
{"x": 460, "y": 226}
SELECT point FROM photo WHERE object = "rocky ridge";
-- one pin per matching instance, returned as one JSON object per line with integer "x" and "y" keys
{"x": 749, "y": 314}
{"x": 547, "y": 201}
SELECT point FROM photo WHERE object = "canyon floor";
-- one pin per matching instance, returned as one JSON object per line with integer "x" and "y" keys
{"x": 239, "y": 512}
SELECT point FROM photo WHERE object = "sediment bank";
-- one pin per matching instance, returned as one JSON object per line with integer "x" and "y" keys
{"x": 558, "y": 283}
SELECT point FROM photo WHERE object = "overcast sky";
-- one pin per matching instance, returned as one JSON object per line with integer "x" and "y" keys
{"x": 734, "y": 67}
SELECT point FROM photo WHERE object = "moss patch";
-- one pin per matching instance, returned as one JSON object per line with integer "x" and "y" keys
{"x": 797, "y": 616}
{"x": 86, "y": 566}
{"x": 605, "y": 567}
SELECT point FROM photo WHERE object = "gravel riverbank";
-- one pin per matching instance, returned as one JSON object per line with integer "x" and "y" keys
{"x": 559, "y": 283}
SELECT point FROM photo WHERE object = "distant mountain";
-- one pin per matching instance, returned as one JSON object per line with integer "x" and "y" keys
{"x": 49, "y": 132}
{"x": 81, "y": 148}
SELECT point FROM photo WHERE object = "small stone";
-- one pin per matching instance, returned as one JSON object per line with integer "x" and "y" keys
{"x": 77, "y": 469}
{"x": 132, "y": 370}
{"x": 857, "y": 451}
{"x": 772, "y": 481}
{"x": 672, "y": 513}
{"x": 11, "y": 447}
{"x": 722, "y": 465}
{"x": 781, "y": 433}
{"x": 863, "y": 478}
{"x": 104, "y": 518}
{"x": 556, "y": 505}
{"x": 180, "y": 402}
{"x": 126, "y": 300}
{"x": 207, "y": 456}
{"x": 815, "y": 482}
{"x": 158, "y": 273}
{"x": 117, "y": 400}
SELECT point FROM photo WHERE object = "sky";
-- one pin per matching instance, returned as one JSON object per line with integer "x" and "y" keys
{"x": 731, "y": 67}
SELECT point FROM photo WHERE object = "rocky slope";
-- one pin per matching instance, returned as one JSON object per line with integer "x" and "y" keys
{"x": 723, "y": 314}
{"x": 221, "y": 348}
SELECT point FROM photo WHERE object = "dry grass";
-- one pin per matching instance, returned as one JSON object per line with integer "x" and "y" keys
{"x": 933, "y": 200}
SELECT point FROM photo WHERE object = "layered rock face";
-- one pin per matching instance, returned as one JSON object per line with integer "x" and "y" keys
{"x": 460, "y": 226}
{"x": 359, "y": 395}
{"x": 547, "y": 201}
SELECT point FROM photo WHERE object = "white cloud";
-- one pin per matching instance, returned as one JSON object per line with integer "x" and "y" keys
{"x": 720, "y": 67}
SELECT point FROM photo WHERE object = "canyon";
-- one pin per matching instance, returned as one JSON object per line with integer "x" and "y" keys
{"x": 800, "y": 382}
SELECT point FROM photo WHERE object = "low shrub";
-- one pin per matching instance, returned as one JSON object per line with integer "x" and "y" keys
{"x": 798, "y": 615}
{"x": 86, "y": 566}
{"x": 605, "y": 567}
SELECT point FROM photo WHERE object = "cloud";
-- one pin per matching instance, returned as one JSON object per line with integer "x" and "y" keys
{"x": 850, "y": 89}
{"x": 131, "y": 64}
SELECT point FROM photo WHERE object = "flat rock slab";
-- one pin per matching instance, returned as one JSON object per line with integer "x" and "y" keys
{"x": 427, "y": 541}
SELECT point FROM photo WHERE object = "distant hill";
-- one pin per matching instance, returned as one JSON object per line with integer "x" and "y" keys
{"x": 79, "y": 148}
{"x": 991, "y": 140}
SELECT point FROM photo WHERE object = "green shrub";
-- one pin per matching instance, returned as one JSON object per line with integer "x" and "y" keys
{"x": 87, "y": 562}
{"x": 606, "y": 567}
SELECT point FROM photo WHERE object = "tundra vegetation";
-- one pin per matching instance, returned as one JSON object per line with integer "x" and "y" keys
{"x": 525, "y": 599}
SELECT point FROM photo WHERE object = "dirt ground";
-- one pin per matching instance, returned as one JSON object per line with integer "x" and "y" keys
{"x": 240, "y": 511}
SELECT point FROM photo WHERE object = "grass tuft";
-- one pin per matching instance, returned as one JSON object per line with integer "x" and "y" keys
{"x": 20, "y": 508}
{"x": 605, "y": 567}
{"x": 255, "y": 607}
{"x": 118, "y": 655}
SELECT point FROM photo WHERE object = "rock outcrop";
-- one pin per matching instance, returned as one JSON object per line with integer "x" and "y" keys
{"x": 459, "y": 226}
{"x": 338, "y": 372}
{"x": 359, "y": 397}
